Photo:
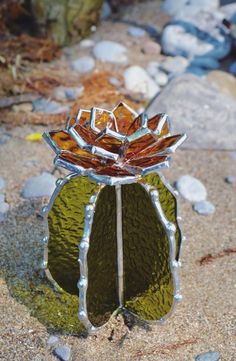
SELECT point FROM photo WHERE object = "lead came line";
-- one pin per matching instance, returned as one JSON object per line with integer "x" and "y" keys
{"x": 119, "y": 240}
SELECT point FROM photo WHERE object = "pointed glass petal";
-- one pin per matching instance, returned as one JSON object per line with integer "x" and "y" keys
{"x": 124, "y": 117}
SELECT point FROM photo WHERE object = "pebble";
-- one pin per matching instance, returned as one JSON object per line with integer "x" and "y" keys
{"x": 204, "y": 208}
{"x": 208, "y": 356}
{"x": 52, "y": 340}
{"x": 22, "y": 108}
{"x": 64, "y": 93}
{"x": 4, "y": 208}
{"x": 230, "y": 179}
{"x": 114, "y": 81}
{"x": 39, "y": 186}
{"x": 111, "y": 52}
{"x": 160, "y": 77}
{"x": 196, "y": 70}
{"x": 189, "y": 40}
{"x": 175, "y": 65}
{"x": 63, "y": 353}
{"x": 4, "y": 138}
{"x": 2, "y": 183}
{"x": 2, "y": 198}
{"x": 137, "y": 80}
{"x": 86, "y": 43}
{"x": 191, "y": 189}
{"x": 232, "y": 68}
{"x": 44, "y": 105}
{"x": 136, "y": 32}
{"x": 83, "y": 65}
{"x": 153, "y": 67}
{"x": 151, "y": 47}
{"x": 30, "y": 163}
{"x": 205, "y": 62}
{"x": 105, "y": 11}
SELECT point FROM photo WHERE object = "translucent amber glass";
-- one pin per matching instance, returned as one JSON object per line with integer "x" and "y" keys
{"x": 124, "y": 118}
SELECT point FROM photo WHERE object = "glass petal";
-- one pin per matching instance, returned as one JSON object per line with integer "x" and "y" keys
{"x": 124, "y": 117}
{"x": 134, "y": 148}
{"x": 159, "y": 121}
{"x": 102, "y": 295}
{"x": 135, "y": 125}
{"x": 63, "y": 140}
{"x": 114, "y": 171}
{"x": 83, "y": 118}
{"x": 104, "y": 119}
{"x": 66, "y": 223}
{"x": 149, "y": 288}
{"x": 106, "y": 142}
{"x": 85, "y": 161}
{"x": 146, "y": 161}
{"x": 159, "y": 146}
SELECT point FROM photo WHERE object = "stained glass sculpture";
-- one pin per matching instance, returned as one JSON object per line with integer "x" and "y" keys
{"x": 113, "y": 233}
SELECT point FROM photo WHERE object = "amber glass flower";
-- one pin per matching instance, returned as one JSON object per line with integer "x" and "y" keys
{"x": 116, "y": 143}
{"x": 113, "y": 234}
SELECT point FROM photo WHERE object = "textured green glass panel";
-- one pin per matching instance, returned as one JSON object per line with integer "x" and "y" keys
{"x": 102, "y": 293}
{"x": 168, "y": 203}
{"x": 148, "y": 279}
{"x": 66, "y": 223}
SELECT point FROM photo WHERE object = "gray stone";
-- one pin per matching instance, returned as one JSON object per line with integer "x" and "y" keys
{"x": 199, "y": 109}
{"x": 63, "y": 353}
{"x": 105, "y": 11}
{"x": 114, "y": 81}
{"x": 64, "y": 93}
{"x": 39, "y": 186}
{"x": 86, "y": 43}
{"x": 111, "y": 52}
{"x": 230, "y": 179}
{"x": 224, "y": 81}
{"x": 175, "y": 65}
{"x": 208, "y": 356}
{"x": 2, "y": 183}
{"x": 2, "y": 198}
{"x": 191, "y": 188}
{"x": 83, "y": 65}
{"x": 205, "y": 62}
{"x": 137, "y": 80}
{"x": 232, "y": 68}
{"x": 4, "y": 208}
{"x": 52, "y": 340}
{"x": 136, "y": 32}
{"x": 204, "y": 208}
{"x": 43, "y": 105}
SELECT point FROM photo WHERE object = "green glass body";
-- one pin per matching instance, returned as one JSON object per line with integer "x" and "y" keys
{"x": 148, "y": 280}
